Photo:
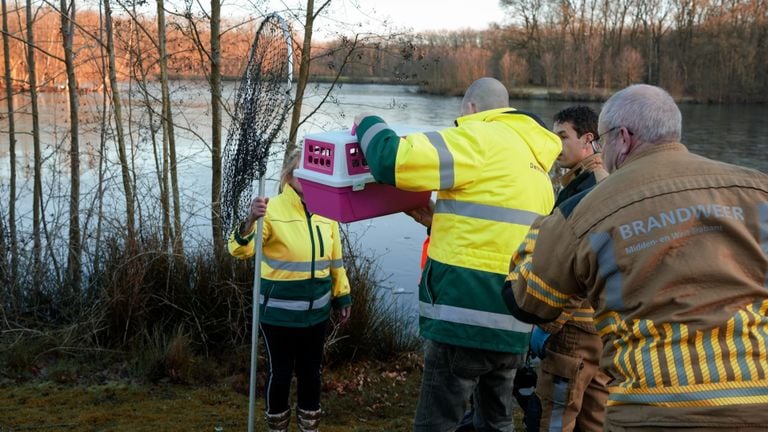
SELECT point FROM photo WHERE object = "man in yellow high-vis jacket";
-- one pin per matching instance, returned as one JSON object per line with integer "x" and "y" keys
{"x": 491, "y": 177}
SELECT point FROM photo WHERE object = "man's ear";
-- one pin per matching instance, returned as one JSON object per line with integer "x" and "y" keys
{"x": 588, "y": 137}
{"x": 470, "y": 108}
{"x": 624, "y": 146}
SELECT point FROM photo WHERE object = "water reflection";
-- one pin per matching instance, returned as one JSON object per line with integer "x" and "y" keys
{"x": 731, "y": 133}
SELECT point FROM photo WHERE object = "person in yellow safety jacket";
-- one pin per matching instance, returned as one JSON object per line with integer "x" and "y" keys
{"x": 491, "y": 177}
{"x": 671, "y": 249}
{"x": 302, "y": 278}
{"x": 572, "y": 388}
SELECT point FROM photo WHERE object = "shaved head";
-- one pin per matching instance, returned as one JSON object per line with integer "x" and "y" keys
{"x": 484, "y": 94}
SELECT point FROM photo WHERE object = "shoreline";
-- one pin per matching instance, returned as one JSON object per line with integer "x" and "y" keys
{"x": 596, "y": 95}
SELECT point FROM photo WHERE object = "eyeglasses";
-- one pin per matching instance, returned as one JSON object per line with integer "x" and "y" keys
{"x": 599, "y": 144}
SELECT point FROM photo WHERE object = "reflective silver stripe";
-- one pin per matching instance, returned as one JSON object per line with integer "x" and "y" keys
{"x": 473, "y": 317}
{"x": 608, "y": 269}
{"x": 296, "y": 266}
{"x": 370, "y": 133}
{"x": 297, "y": 305}
{"x": 486, "y": 212}
{"x": 337, "y": 263}
{"x": 445, "y": 158}
{"x": 559, "y": 401}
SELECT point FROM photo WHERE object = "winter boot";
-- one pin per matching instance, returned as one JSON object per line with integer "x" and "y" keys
{"x": 308, "y": 420}
{"x": 278, "y": 422}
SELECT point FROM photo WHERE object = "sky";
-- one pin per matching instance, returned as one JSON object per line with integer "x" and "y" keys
{"x": 417, "y": 15}
{"x": 421, "y": 15}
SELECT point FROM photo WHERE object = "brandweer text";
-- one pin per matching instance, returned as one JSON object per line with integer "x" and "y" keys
{"x": 679, "y": 215}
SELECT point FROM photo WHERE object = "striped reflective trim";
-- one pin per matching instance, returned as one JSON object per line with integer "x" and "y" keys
{"x": 445, "y": 160}
{"x": 607, "y": 322}
{"x": 602, "y": 246}
{"x": 486, "y": 212}
{"x": 651, "y": 355}
{"x": 583, "y": 315}
{"x": 642, "y": 374}
{"x": 611, "y": 323}
{"x": 622, "y": 360}
{"x": 732, "y": 393}
{"x": 559, "y": 402}
{"x": 703, "y": 355}
{"x": 473, "y": 317}
{"x": 522, "y": 254}
{"x": 762, "y": 213}
{"x": 296, "y": 266}
{"x": 676, "y": 343}
{"x": 337, "y": 263}
{"x": 744, "y": 372}
{"x": 526, "y": 246}
{"x": 297, "y": 305}
{"x": 370, "y": 133}
{"x": 539, "y": 289}
{"x": 761, "y": 323}
{"x": 713, "y": 355}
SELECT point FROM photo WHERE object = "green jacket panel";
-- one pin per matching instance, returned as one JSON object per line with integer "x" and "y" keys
{"x": 491, "y": 177}
{"x": 302, "y": 273}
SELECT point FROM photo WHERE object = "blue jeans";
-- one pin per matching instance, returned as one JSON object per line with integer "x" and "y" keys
{"x": 452, "y": 374}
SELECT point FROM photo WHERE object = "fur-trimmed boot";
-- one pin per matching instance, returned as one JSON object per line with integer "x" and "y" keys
{"x": 308, "y": 420}
{"x": 278, "y": 422}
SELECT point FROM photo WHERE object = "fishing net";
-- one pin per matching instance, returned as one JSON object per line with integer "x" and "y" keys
{"x": 262, "y": 100}
{"x": 261, "y": 105}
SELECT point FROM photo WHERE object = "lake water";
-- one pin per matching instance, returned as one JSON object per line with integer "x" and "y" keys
{"x": 731, "y": 133}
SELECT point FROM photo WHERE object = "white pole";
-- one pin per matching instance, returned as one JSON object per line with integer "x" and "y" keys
{"x": 255, "y": 319}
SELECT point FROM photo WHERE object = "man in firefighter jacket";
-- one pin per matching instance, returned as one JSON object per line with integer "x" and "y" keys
{"x": 490, "y": 174}
{"x": 672, "y": 252}
{"x": 571, "y": 386}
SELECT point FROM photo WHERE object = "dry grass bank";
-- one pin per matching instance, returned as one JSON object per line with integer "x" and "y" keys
{"x": 365, "y": 396}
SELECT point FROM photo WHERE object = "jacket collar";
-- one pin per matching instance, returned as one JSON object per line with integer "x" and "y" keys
{"x": 483, "y": 115}
{"x": 292, "y": 196}
{"x": 651, "y": 150}
{"x": 590, "y": 163}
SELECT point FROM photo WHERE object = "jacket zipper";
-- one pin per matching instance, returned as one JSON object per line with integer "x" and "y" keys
{"x": 312, "y": 257}
{"x": 311, "y": 239}
{"x": 320, "y": 240}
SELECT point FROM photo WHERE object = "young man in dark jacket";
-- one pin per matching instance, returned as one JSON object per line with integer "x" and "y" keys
{"x": 571, "y": 387}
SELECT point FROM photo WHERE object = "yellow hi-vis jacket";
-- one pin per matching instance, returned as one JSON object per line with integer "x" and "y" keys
{"x": 491, "y": 177}
{"x": 302, "y": 272}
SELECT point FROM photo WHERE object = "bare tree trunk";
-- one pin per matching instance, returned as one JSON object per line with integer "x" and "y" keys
{"x": 117, "y": 107}
{"x": 138, "y": 74}
{"x": 168, "y": 133}
{"x": 301, "y": 84}
{"x": 75, "y": 247}
{"x": 15, "y": 295}
{"x": 217, "y": 236}
{"x": 37, "y": 189}
{"x": 161, "y": 166}
{"x": 102, "y": 151}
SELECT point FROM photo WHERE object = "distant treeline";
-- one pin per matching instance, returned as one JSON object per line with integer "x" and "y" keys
{"x": 715, "y": 51}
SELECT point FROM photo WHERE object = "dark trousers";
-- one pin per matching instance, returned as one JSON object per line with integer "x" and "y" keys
{"x": 292, "y": 350}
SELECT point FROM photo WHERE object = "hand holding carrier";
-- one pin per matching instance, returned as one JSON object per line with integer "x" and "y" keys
{"x": 338, "y": 184}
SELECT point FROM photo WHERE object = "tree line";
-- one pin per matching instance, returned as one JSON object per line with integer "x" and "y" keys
{"x": 712, "y": 51}
{"x": 103, "y": 264}
{"x": 55, "y": 258}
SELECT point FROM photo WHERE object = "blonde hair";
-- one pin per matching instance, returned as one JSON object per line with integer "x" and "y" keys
{"x": 290, "y": 163}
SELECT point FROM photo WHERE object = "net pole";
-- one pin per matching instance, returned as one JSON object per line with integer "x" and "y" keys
{"x": 255, "y": 314}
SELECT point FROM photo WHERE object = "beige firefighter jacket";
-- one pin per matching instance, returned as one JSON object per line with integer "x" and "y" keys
{"x": 672, "y": 252}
